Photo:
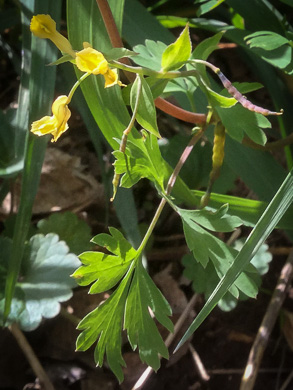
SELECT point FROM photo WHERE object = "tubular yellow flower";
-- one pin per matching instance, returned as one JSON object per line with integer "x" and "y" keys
{"x": 55, "y": 124}
{"x": 92, "y": 61}
{"x": 43, "y": 26}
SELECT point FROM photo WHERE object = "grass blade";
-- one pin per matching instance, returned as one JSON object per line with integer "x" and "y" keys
{"x": 39, "y": 95}
{"x": 270, "y": 218}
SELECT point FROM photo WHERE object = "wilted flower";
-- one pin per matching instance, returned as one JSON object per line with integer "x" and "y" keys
{"x": 55, "y": 124}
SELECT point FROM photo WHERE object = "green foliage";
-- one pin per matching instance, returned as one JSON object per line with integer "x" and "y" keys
{"x": 237, "y": 121}
{"x": 131, "y": 300}
{"x": 204, "y": 279}
{"x": 141, "y": 160}
{"x": 149, "y": 54}
{"x": 223, "y": 273}
{"x": 75, "y": 232}
{"x": 267, "y": 40}
{"x": 45, "y": 280}
{"x": 176, "y": 54}
{"x": 105, "y": 270}
{"x": 146, "y": 113}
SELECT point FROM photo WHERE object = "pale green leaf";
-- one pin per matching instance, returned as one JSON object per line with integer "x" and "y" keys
{"x": 176, "y": 54}
{"x": 141, "y": 160}
{"x": 45, "y": 281}
{"x": 149, "y": 55}
{"x": 103, "y": 269}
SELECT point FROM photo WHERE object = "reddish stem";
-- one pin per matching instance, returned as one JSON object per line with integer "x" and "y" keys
{"x": 160, "y": 103}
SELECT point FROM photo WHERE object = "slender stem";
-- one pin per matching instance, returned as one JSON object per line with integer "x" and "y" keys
{"x": 31, "y": 357}
{"x": 76, "y": 85}
{"x": 151, "y": 227}
{"x": 183, "y": 159}
{"x": 134, "y": 113}
{"x": 150, "y": 72}
{"x": 122, "y": 147}
{"x": 170, "y": 186}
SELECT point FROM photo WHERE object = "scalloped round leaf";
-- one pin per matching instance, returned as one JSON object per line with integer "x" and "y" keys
{"x": 47, "y": 280}
{"x": 74, "y": 231}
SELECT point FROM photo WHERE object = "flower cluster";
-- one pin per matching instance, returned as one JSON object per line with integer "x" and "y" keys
{"x": 87, "y": 60}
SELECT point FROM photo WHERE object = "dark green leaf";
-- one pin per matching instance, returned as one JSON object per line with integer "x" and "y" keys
{"x": 74, "y": 231}
{"x": 146, "y": 114}
{"x": 267, "y": 40}
{"x": 104, "y": 324}
{"x": 238, "y": 120}
{"x": 141, "y": 329}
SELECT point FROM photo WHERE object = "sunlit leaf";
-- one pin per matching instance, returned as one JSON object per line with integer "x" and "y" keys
{"x": 176, "y": 54}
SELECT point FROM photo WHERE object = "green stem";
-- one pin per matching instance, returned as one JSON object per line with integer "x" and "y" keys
{"x": 150, "y": 72}
{"x": 170, "y": 186}
{"x": 76, "y": 85}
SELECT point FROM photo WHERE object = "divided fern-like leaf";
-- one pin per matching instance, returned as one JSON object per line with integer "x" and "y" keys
{"x": 131, "y": 301}
{"x": 141, "y": 329}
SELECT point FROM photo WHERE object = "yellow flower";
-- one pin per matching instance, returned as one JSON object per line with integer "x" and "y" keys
{"x": 92, "y": 61}
{"x": 56, "y": 124}
{"x": 43, "y": 26}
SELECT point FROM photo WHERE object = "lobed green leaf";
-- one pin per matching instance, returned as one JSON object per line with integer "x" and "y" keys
{"x": 103, "y": 269}
{"x": 140, "y": 326}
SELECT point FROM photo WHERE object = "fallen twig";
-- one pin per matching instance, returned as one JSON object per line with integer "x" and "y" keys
{"x": 268, "y": 322}
{"x": 34, "y": 362}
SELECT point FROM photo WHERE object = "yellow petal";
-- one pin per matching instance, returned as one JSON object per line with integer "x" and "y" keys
{"x": 43, "y": 26}
{"x": 111, "y": 78}
{"x": 56, "y": 124}
{"x": 91, "y": 61}
{"x": 44, "y": 126}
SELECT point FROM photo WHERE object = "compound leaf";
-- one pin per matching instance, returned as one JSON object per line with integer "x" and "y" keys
{"x": 141, "y": 329}
{"x": 238, "y": 120}
{"x": 149, "y": 55}
{"x": 141, "y": 160}
{"x": 104, "y": 324}
{"x": 105, "y": 270}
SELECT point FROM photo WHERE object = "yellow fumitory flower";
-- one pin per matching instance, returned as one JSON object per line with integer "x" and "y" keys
{"x": 92, "y": 61}
{"x": 43, "y": 26}
{"x": 56, "y": 124}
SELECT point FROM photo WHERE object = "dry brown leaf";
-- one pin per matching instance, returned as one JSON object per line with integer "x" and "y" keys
{"x": 63, "y": 185}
